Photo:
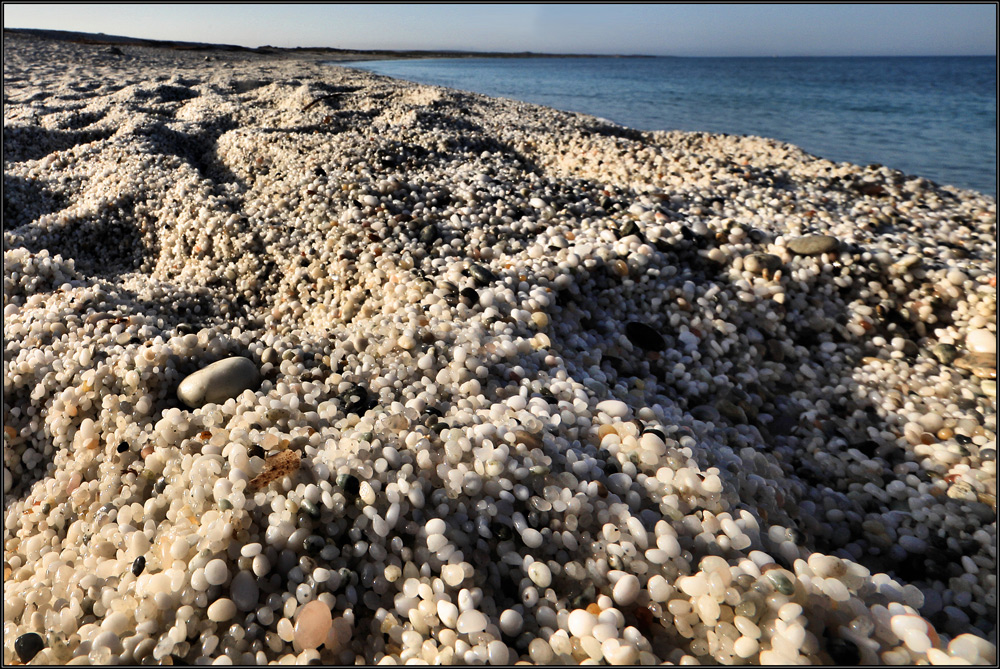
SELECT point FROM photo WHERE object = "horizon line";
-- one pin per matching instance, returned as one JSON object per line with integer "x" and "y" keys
{"x": 491, "y": 53}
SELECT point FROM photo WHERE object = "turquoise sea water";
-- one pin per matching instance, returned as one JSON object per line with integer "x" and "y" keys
{"x": 935, "y": 117}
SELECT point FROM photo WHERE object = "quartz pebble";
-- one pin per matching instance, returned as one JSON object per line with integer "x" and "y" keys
{"x": 981, "y": 341}
{"x": 312, "y": 624}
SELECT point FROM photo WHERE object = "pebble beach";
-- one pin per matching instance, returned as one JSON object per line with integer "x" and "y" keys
{"x": 308, "y": 365}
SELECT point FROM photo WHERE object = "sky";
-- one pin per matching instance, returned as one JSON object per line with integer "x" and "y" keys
{"x": 650, "y": 29}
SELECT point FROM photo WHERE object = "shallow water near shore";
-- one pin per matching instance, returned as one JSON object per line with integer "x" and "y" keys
{"x": 930, "y": 116}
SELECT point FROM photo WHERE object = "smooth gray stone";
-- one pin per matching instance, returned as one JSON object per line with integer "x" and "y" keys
{"x": 218, "y": 382}
{"x": 813, "y": 245}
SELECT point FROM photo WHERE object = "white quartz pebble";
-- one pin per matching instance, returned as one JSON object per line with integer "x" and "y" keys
{"x": 216, "y": 572}
{"x": 581, "y": 622}
{"x": 511, "y": 622}
{"x": 614, "y": 408}
{"x": 981, "y": 341}
{"x": 471, "y": 621}
{"x": 221, "y": 610}
{"x": 626, "y": 590}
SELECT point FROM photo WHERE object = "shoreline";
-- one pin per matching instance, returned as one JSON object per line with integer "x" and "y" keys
{"x": 524, "y": 384}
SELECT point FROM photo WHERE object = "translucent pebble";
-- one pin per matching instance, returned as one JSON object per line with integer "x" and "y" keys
{"x": 453, "y": 574}
{"x": 973, "y": 648}
{"x": 312, "y": 624}
{"x": 447, "y": 613}
{"x": 511, "y": 622}
{"x": 436, "y": 542}
{"x": 790, "y": 611}
{"x": 745, "y": 647}
{"x": 540, "y": 574}
{"x": 221, "y": 610}
{"x": 659, "y": 589}
{"x": 471, "y": 621}
{"x": 626, "y": 589}
{"x": 614, "y": 408}
{"x": 581, "y": 622}
{"x": 532, "y": 538}
{"x": 618, "y": 653}
{"x": 708, "y": 609}
{"x": 250, "y": 550}
{"x": 656, "y": 556}
{"x": 693, "y": 586}
{"x": 602, "y": 631}
{"x": 216, "y": 572}
{"x": 497, "y": 652}
{"x": 916, "y": 640}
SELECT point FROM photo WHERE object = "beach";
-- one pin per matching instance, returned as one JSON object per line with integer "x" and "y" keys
{"x": 307, "y": 364}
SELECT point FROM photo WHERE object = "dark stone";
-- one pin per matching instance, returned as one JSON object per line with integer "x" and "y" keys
{"x": 27, "y": 646}
{"x": 354, "y": 399}
{"x": 470, "y": 296}
{"x": 428, "y": 234}
{"x": 656, "y": 431}
{"x": 160, "y": 485}
{"x": 122, "y": 447}
{"x": 630, "y": 228}
{"x": 503, "y": 532}
{"x": 843, "y": 652}
{"x": 644, "y": 336}
{"x": 483, "y": 276}
{"x": 313, "y": 544}
{"x": 350, "y": 484}
{"x": 138, "y": 565}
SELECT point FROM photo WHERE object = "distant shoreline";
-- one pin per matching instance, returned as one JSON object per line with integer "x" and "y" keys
{"x": 324, "y": 53}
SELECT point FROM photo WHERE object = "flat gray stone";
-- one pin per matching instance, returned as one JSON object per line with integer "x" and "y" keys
{"x": 218, "y": 382}
{"x": 813, "y": 245}
{"x": 758, "y": 262}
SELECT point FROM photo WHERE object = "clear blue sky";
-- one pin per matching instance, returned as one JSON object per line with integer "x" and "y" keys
{"x": 656, "y": 29}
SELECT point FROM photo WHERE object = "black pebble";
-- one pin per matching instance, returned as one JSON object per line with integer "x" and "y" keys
{"x": 471, "y": 295}
{"x": 428, "y": 234}
{"x": 482, "y": 275}
{"x": 138, "y": 565}
{"x": 843, "y": 652}
{"x": 122, "y": 447}
{"x": 644, "y": 337}
{"x": 160, "y": 485}
{"x": 27, "y": 646}
{"x": 352, "y": 486}
{"x": 314, "y": 544}
{"x": 355, "y": 399}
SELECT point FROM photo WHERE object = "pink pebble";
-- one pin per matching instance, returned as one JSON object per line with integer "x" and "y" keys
{"x": 312, "y": 623}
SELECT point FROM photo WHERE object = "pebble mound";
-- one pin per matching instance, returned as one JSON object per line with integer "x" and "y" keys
{"x": 534, "y": 387}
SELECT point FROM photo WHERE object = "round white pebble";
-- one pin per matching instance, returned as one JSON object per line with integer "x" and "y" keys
{"x": 471, "y": 621}
{"x": 221, "y": 610}
{"x": 216, "y": 572}
{"x": 626, "y": 590}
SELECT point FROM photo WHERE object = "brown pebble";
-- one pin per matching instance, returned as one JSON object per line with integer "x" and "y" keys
{"x": 277, "y": 466}
{"x": 945, "y": 433}
{"x": 527, "y": 439}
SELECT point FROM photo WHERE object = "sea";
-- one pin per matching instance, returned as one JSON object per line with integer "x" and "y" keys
{"x": 934, "y": 117}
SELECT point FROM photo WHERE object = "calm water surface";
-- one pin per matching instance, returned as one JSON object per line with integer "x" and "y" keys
{"x": 929, "y": 116}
